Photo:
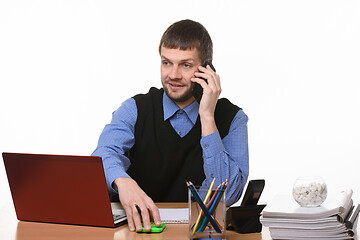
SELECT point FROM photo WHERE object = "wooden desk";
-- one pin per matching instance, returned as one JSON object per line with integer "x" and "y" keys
{"x": 12, "y": 229}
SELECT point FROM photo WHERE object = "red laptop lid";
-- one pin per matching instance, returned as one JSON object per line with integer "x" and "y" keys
{"x": 59, "y": 189}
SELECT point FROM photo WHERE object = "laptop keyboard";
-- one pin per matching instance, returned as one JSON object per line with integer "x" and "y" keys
{"x": 119, "y": 216}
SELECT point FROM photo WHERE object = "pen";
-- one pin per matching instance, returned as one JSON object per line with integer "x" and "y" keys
{"x": 203, "y": 207}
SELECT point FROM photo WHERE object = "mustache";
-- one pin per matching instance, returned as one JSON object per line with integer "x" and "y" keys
{"x": 174, "y": 79}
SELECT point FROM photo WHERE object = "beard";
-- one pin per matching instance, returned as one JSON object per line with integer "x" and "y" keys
{"x": 176, "y": 97}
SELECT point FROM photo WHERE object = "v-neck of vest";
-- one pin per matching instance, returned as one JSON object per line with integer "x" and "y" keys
{"x": 197, "y": 123}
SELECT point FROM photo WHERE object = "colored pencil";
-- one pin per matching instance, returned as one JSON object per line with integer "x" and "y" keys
{"x": 205, "y": 200}
{"x": 203, "y": 207}
{"x": 208, "y": 205}
{"x": 213, "y": 205}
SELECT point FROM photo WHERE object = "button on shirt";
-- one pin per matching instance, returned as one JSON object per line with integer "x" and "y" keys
{"x": 223, "y": 158}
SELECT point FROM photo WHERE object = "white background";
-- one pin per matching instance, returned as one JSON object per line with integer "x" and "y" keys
{"x": 293, "y": 66}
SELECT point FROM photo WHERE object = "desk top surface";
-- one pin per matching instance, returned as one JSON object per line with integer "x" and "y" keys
{"x": 12, "y": 229}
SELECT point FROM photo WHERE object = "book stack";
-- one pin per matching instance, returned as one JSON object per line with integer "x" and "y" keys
{"x": 334, "y": 219}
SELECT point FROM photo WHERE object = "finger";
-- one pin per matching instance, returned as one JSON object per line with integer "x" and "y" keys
{"x": 136, "y": 218}
{"x": 201, "y": 82}
{"x": 129, "y": 216}
{"x": 213, "y": 79}
{"x": 205, "y": 69}
{"x": 202, "y": 75}
{"x": 210, "y": 76}
{"x": 155, "y": 214}
{"x": 217, "y": 82}
{"x": 214, "y": 76}
{"x": 145, "y": 218}
{"x": 208, "y": 70}
{"x": 209, "y": 88}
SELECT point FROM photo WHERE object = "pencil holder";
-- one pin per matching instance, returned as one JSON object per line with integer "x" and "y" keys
{"x": 210, "y": 224}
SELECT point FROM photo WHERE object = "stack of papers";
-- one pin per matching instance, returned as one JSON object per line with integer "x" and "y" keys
{"x": 288, "y": 220}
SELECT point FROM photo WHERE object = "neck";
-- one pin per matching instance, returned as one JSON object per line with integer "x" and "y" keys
{"x": 186, "y": 103}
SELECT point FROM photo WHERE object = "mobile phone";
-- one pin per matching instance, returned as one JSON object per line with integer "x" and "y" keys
{"x": 196, "y": 89}
{"x": 154, "y": 228}
{"x": 253, "y": 192}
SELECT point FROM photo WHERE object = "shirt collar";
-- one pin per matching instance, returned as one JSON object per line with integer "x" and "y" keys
{"x": 170, "y": 108}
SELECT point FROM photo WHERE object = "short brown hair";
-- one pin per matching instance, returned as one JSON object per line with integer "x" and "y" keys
{"x": 188, "y": 34}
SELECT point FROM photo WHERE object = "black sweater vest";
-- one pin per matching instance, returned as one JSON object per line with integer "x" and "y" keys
{"x": 161, "y": 160}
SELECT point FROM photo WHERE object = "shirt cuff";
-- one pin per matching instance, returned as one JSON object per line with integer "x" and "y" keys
{"x": 211, "y": 145}
{"x": 112, "y": 175}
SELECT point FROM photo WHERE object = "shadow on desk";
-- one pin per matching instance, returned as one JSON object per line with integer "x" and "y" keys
{"x": 51, "y": 231}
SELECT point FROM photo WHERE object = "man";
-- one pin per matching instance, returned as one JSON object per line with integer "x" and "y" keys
{"x": 156, "y": 141}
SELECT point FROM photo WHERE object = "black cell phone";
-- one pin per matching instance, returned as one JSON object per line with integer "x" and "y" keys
{"x": 253, "y": 192}
{"x": 196, "y": 89}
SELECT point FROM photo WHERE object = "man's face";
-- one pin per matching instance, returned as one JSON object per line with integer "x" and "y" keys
{"x": 177, "y": 68}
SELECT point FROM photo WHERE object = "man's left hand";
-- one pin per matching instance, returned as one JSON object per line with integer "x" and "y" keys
{"x": 211, "y": 93}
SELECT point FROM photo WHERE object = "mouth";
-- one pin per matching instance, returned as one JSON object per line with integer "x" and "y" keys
{"x": 175, "y": 86}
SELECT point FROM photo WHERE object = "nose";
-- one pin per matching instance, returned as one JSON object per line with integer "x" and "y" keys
{"x": 175, "y": 72}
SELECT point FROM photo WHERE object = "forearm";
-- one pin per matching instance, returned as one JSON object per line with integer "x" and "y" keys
{"x": 220, "y": 165}
{"x": 115, "y": 141}
{"x": 208, "y": 125}
{"x": 228, "y": 158}
{"x": 115, "y": 165}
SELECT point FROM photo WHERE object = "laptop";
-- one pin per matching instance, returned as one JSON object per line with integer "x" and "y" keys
{"x": 60, "y": 189}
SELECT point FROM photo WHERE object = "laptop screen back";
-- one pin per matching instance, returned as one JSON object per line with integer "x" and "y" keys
{"x": 59, "y": 189}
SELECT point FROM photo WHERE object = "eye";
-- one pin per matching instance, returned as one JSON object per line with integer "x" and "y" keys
{"x": 187, "y": 65}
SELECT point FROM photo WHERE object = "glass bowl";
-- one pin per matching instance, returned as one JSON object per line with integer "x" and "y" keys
{"x": 309, "y": 191}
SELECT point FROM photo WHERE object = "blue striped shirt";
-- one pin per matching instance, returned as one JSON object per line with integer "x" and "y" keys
{"x": 223, "y": 158}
